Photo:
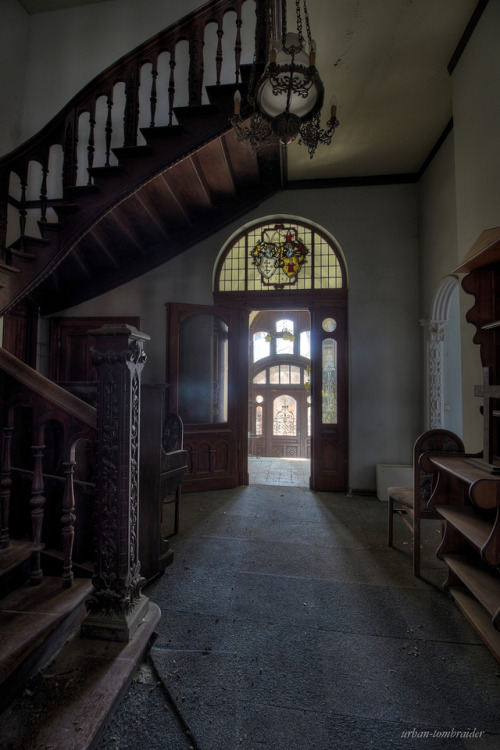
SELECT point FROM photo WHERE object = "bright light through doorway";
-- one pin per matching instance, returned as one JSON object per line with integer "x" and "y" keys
{"x": 279, "y": 471}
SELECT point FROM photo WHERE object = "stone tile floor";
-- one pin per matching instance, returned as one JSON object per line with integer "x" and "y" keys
{"x": 279, "y": 471}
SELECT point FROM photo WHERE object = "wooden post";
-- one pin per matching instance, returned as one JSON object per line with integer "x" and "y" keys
{"x": 116, "y": 606}
{"x": 5, "y": 486}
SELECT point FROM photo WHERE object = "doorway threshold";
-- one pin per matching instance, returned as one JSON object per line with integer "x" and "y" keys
{"x": 279, "y": 471}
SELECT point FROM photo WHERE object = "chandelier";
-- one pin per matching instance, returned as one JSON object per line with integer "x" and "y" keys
{"x": 285, "y": 102}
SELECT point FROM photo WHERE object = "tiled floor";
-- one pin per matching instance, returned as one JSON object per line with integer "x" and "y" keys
{"x": 282, "y": 471}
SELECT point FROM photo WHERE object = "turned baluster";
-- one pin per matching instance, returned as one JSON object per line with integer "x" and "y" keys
{"x": 43, "y": 194}
{"x": 22, "y": 211}
{"x": 91, "y": 147}
{"x": 195, "y": 79}
{"x": 108, "y": 130}
{"x": 237, "y": 46}
{"x": 153, "y": 97}
{"x": 5, "y": 485}
{"x": 171, "y": 88}
{"x": 37, "y": 504}
{"x": 218, "y": 56}
{"x": 70, "y": 162}
{"x": 68, "y": 524}
{"x": 132, "y": 106}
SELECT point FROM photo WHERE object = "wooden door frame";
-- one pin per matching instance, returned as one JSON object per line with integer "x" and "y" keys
{"x": 229, "y": 435}
{"x": 317, "y": 302}
{"x": 62, "y": 329}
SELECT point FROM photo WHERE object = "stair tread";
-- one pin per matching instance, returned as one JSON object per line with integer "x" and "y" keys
{"x": 17, "y": 552}
{"x": 74, "y": 696}
{"x": 30, "y": 613}
{"x": 161, "y": 131}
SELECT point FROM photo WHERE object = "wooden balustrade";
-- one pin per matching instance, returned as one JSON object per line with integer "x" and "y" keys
{"x": 26, "y": 391}
{"x": 32, "y": 202}
{"x": 59, "y": 422}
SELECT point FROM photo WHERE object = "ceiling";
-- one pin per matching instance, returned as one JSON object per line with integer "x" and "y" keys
{"x": 386, "y": 61}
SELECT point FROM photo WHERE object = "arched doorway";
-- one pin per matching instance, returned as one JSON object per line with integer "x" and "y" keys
{"x": 279, "y": 265}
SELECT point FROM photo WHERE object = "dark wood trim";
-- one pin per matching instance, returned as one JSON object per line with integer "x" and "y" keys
{"x": 340, "y": 182}
{"x": 69, "y": 337}
{"x": 464, "y": 39}
{"x": 435, "y": 149}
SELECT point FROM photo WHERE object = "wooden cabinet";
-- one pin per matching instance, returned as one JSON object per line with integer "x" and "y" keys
{"x": 467, "y": 498}
{"x": 467, "y": 493}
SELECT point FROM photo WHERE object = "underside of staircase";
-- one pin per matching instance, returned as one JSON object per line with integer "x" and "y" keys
{"x": 109, "y": 213}
{"x": 186, "y": 183}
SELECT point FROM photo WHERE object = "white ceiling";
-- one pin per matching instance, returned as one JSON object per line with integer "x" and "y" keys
{"x": 386, "y": 62}
{"x": 42, "y": 6}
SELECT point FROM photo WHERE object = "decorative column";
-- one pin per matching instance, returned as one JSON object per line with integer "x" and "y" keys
{"x": 434, "y": 336}
{"x": 116, "y": 607}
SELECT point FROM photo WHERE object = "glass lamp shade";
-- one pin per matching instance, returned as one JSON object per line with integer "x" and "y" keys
{"x": 289, "y": 76}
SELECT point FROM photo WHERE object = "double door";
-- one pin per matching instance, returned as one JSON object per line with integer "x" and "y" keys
{"x": 207, "y": 373}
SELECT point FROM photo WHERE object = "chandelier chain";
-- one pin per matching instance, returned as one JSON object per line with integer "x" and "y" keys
{"x": 295, "y": 49}
{"x": 294, "y": 80}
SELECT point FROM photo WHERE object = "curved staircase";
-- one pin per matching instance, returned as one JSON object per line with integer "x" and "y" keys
{"x": 116, "y": 212}
{"x": 131, "y": 208}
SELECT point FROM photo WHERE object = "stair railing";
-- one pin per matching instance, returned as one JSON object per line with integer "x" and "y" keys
{"x": 31, "y": 188}
{"x": 26, "y": 391}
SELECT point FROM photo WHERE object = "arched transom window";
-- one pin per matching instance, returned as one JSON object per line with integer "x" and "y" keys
{"x": 280, "y": 254}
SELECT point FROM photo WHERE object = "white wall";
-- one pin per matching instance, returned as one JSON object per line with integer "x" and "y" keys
{"x": 376, "y": 227}
{"x": 437, "y": 224}
{"x": 14, "y": 26}
{"x": 438, "y": 258}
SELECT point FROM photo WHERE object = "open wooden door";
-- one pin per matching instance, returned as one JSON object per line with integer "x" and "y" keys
{"x": 206, "y": 373}
{"x": 329, "y": 398}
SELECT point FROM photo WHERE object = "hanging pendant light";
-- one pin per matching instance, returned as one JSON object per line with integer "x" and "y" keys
{"x": 286, "y": 100}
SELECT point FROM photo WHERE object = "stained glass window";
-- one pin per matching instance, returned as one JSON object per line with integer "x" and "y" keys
{"x": 329, "y": 381}
{"x": 284, "y": 416}
{"x": 258, "y": 420}
{"x": 280, "y": 254}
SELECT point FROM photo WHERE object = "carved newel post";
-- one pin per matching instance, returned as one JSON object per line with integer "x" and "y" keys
{"x": 116, "y": 607}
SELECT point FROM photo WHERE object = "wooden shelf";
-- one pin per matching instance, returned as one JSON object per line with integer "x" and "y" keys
{"x": 478, "y": 618}
{"x": 481, "y": 479}
{"x": 466, "y": 520}
{"x": 481, "y": 583}
{"x": 467, "y": 492}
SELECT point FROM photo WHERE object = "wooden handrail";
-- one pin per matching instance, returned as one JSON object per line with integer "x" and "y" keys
{"x": 46, "y": 389}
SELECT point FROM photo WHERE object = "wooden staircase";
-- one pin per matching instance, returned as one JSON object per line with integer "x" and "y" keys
{"x": 58, "y": 682}
{"x": 34, "y": 621}
{"x": 127, "y": 209}
{"x": 117, "y": 212}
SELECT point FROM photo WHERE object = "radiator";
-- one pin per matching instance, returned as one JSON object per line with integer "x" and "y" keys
{"x": 392, "y": 475}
